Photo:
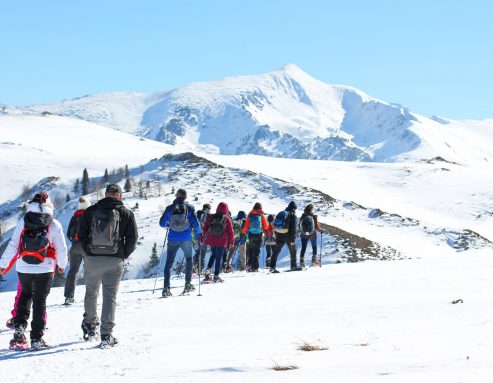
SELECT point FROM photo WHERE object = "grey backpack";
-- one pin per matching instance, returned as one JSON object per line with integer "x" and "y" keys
{"x": 105, "y": 232}
{"x": 179, "y": 218}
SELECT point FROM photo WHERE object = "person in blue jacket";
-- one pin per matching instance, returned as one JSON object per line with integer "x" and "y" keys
{"x": 180, "y": 219}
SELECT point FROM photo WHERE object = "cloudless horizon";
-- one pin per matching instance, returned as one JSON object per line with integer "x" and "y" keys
{"x": 432, "y": 57}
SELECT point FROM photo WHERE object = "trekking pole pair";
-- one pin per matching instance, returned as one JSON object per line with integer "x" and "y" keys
{"x": 161, "y": 260}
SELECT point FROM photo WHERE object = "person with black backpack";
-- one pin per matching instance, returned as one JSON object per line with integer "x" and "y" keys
{"x": 255, "y": 226}
{"x": 218, "y": 233}
{"x": 180, "y": 219}
{"x": 108, "y": 235}
{"x": 76, "y": 254}
{"x": 37, "y": 248}
{"x": 285, "y": 228}
{"x": 308, "y": 228}
{"x": 240, "y": 243}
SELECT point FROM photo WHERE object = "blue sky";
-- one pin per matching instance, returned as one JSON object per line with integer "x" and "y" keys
{"x": 435, "y": 57}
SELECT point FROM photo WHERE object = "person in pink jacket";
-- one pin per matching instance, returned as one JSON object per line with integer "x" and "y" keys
{"x": 218, "y": 233}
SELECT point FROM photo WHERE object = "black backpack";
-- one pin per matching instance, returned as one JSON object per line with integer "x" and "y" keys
{"x": 74, "y": 228}
{"x": 105, "y": 232}
{"x": 34, "y": 245}
{"x": 307, "y": 224}
{"x": 217, "y": 225}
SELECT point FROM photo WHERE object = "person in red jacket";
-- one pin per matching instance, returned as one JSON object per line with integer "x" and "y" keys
{"x": 255, "y": 225}
{"x": 219, "y": 235}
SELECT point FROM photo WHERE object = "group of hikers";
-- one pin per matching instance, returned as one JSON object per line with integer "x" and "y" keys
{"x": 103, "y": 235}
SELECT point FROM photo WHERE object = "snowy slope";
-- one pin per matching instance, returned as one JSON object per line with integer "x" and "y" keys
{"x": 381, "y": 322}
{"x": 34, "y": 147}
{"x": 284, "y": 113}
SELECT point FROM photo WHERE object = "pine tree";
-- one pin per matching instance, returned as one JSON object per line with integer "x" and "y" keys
{"x": 85, "y": 182}
{"x": 106, "y": 177}
{"x": 154, "y": 260}
{"x": 67, "y": 198}
{"x": 128, "y": 185}
{"x": 127, "y": 172}
{"x": 76, "y": 187}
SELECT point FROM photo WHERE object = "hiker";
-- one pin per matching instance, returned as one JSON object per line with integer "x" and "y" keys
{"x": 201, "y": 247}
{"x": 36, "y": 246}
{"x": 240, "y": 243}
{"x": 179, "y": 218}
{"x": 308, "y": 227}
{"x": 270, "y": 239}
{"x": 255, "y": 225}
{"x": 285, "y": 228}
{"x": 219, "y": 235}
{"x": 108, "y": 235}
{"x": 76, "y": 254}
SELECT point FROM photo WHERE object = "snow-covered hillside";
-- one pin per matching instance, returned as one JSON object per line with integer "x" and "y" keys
{"x": 381, "y": 322}
{"x": 284, "y": 113}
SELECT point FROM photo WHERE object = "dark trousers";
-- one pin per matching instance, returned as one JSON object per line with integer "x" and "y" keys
{"x": 186, "y": 247}
{"x": 282, "y": 240}
{"x": 76, "y": 256}
{"x": 35, "y": 289}
{"x": 269, "y": 248}
{"x": 304, "y": 243}
{"x": 217, "y": 254}
{"x": 253, "y": 250}
{"x": 200, "y": 252}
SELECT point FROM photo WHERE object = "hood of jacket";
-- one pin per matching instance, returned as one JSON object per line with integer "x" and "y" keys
{"x": 35, "y": 207}
{"x": 179, "y": 201}
{"x": 222, "y": 208}
{"x": 109, "y": 203}
{"x": 257, "y": 212}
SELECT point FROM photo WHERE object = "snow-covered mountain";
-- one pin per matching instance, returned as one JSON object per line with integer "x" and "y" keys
{"x": 284, "y": 113}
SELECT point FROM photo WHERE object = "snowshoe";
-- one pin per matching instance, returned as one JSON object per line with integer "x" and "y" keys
{"x": 274, "y": 271}
{"x": 166, "y": 292}
{"x": 69, "y": 301}
{"x": 302, "y": 265}
{"x": 89, "y": 333}
{"x": 19, "y": 341}
{"x": 108, "y": 341}
{"x": 228, "y": 269}
{"x": 315, "y": 261}
{"x": 38, "y": 344}
{"x": 217, "y": 279}
{"x": 10, "y": 324}
{"x": 295, "y": 268}
{"x": 188, "y": 288}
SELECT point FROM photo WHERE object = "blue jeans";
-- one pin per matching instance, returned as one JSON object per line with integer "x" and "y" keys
{"x": 217, "y": 253}
{"x": 186, "y": 247}
{"x": 304, "y": 243}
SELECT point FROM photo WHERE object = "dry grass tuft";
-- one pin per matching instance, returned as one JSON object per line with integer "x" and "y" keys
{"x": 312, "y": 347}
{"x": 277, "y": 367}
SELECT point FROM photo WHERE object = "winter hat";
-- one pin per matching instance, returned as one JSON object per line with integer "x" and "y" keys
{"x": 113, "y": 188}
{"x": 257, "y": 206}
{"x": 207, "y": 206}
{"x": 181, "y": 193}
{"x": 43, "y": 200}
{"x": 84, "y": 203}
{"x": 241, "y": 215}
{"x": 292, "y": 206}
{"x": 270, "y": 218}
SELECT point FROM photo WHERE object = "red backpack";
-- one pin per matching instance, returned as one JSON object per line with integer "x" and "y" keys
{"x": 34, "y": 244}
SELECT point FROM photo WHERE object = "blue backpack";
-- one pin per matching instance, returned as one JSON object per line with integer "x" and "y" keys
{"x": 255, "y": 224}
{"x": 281, "y": 222}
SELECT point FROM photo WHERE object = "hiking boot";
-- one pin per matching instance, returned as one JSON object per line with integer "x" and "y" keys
{"x": 10, "y": 324}
{"x": 274, "y": 271}
{"x": 19, "y": 341}
{"x": 315, "y": 261}
{"x": 188, "y": 287}
{"x": 217, "y": 279}
{"x": 228, "y": 269}
{"x": 242, "y": 269}
{"x": 108, "y": 341}
{"x": 267, "y": 262}
{"x": 296, "y": 268}
{"x": 166, "y": 292}
{"x": 302, "y": 264}
{"x": 89, "y": 332}
{"x": 38, "y": 344}
{"x": 69, "y": 301}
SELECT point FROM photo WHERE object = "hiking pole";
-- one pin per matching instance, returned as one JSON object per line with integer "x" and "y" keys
{"x": 161, "y": 260}
{"x": 321, "y": 244}
{"x": 200, "y": 265}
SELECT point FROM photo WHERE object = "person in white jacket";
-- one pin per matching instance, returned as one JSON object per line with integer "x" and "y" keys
{"x": 35, "y": 266}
